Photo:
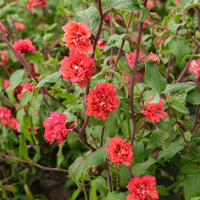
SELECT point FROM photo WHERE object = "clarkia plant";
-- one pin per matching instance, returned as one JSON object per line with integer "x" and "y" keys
{"x": 105, "y": 94}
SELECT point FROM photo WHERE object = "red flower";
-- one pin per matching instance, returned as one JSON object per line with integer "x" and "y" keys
{"x": 24, "y": 88}
{"x": 77, "y": 67}
{"x": 154, "y": 111}
{"x": 102, "y": 100}
{"x": 24, "y": 46}
{"x": 77, "y": 36}
{"x": 19, "y": 26}
{"x": 3, "y": 57}
{"x": 119, "y": 152}
{"x": 131, "y": 57}
{"x": 41, "y": 3}
{"x": 6, "y": 83}
{"x": 151, "y": 4}
{"x": 158, "y": 42}
{"x": 5, "y": 115}
{"x": 55, "y": 128}
{"x": 142, "y": 188}
{"x": 101, "y": 43}
{"x": 30, "y": 5}
{"x": 195, "y": 68}
{"x": 153, "y": 57}
{"x": 14, "y": 124}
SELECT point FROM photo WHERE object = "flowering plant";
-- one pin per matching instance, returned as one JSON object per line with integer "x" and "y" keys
{"x": 100, "y": 99}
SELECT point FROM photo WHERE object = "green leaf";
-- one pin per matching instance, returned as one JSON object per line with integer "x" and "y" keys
{"x": 193, "y": 97}
{"x": 7, "y": 10}
{"x": 191, "y": 186}
{"x": 190, "y": 168}
{"x": 94, "y": 192}
{"x": 177, "y": 105}
{"x": 153, "y": 77}
{"x": 162, "y": 190}
{"x": 176, "y": 88}
{"x": 75, "y": 194}
{"x": 38, "y": 60}
{"x": 83, "y": 163}
{"x": 52, "y": 78}
{"x": 171, "y": 150}
{"x": 116, "y": 196}
{"x": 138, "y": 151}
{"x": 9, "y": 188}
{"x": 63, "y": 11}
{"x": 179, "y": 47}
{"x": 23, "y": 150}
{"x": 195, "y": 198}
{"x": 124, "y": 176}
{"x": 60, "y": 156}
{"x": 91, "y": 17}
{"x": 140, "y": 169}
{"x": 26, "y": 97}
{"x": 15, "y": 80}
{"x": 126, "y": 5}
{"x": 143, "y": 15}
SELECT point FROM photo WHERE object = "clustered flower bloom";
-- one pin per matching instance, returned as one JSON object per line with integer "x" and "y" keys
{"x": 119, "y": 151}
{"x": 39, "y": 3}
{"x": 19, "y": 26}
{"x": 77, "y": 37}
{"x": 3, "y": 57}
{"x": 6, "y": 118}
{"x": 77, "y": 67}
{"x": 101, "y": 101}
{"x": 24, "y": 46}
{"x": 154, "y": 111}
{"x": 195, "y": 68}
{"x": 142, "y": 188}
{"x": 55, "y": 128}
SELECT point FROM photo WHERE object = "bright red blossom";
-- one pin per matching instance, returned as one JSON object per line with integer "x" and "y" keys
{"x": 102, "y": 100}
{"x": 77, "y": 67}
{"x": 19, "y": 26}
{"x": 142, "y": 188}
{"x": 3, "y": 57}
{"x": 154, "y": 111}
{"x": 119, "y": 151}
{"x": 39, "y": 3}
{"x": 24, "y": 46}
{"x": 195, "y": 68}
{"x": 5, "y": 115}
{"x": 101, "y": 43}
{"x": 77, "y": 37}
{"x": 55, "y": 128}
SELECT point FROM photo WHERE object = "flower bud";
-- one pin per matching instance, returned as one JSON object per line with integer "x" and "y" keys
{"x": 119, "y": 19}
{"x": 152, "y": 57}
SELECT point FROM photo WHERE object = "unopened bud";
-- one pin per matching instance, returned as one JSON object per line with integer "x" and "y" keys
{"x": 197, "y": 35}
{"x": 155, "y": 17}
{"x": 132, "y": 39}
{"x": 119, "y": 19}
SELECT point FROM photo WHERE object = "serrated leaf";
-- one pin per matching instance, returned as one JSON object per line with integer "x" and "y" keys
{"x": 153, "y": 77}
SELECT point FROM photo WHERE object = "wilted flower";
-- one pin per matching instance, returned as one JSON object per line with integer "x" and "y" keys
{"x": 24, "y": 46}
{"x": 142, "y": 188}
{"x": 131, "y": 57}
{"x": 55, "y": 128}
{"x": 102, "y": 100}
{"x": 154, "y": 111}
{"x": 77, "y": 36}
{"x": 77, "y": 67}
{"x": 119, "y": 151}
{"x": 101, "y": 43}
